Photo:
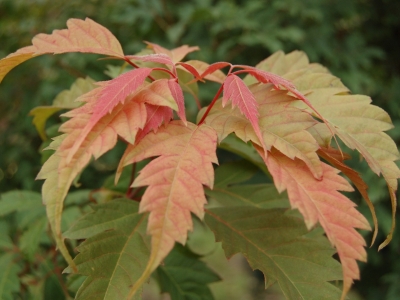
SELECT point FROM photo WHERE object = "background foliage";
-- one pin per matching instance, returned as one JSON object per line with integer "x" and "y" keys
{"x": 356, "y": 39}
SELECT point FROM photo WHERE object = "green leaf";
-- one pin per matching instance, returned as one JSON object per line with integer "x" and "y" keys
{"x": 5, "y": 239}
{"x": 31, "y": 238}
{"x": 228, "y": 191}
{"x": 115, "y": 252}
{"x": 19, "y": 201}
{"x": 276, "y": 244}
{"x": 9, "y": 281}
{"x": 184, "y": 276}
{"x": 246, "y": 150}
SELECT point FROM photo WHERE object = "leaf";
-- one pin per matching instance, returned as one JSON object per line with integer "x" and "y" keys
{"x": 64, "y": 100}
{"x": 59, "y": 173}
{"x": 281, "y": 126}
{"x": 229, "y": 189}
{"x": 175, "y": 183}
{"x": 197, "y": 67}
{"x": 358, "y": 124}
{"x": 240, "y": 95}
{"x": 112, "y": 92}
{"x": 329, "y": 155}
{"x": 81, "y": 36}
{"x": 320, "y": 201}
{"x": 246, "y": 150}
{"x": 213, "y": 68}
{"x": 176, "y": 54}
{"x": 156, "y": 115}
{"x": 157, "y": 58}
{"x": 277, "y": 245}
{"x": 114, "y": 253}
{"x": 177, "y": 93}
{"x": 184, "y": 276}
{"x": 31, "y": 238}
{"x": 9, "y": 281}
{"x": 19, "y": 201}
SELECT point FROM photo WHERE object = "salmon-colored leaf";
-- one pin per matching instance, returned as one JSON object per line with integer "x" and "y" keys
{"x": 177, "y": 93}
{"x": 176, "y": 54}
{"x": 175, "y": 182}
{"x": 320, "y": 201}
{"x": 240, "y": 95}
{"x": 112, "y": 92}
{"x": 59, "y": 172}
{"x": 333, "y": 157}
{"x": 81, "y": 36}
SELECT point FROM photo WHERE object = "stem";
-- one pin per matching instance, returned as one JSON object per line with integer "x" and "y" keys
{"x": 166, "y": 71}
{"x": 211, "y": 105}
{"x": 137, "y": 67}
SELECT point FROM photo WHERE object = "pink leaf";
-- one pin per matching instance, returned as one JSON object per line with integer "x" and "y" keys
{"x": 113, "y": 92}
{"x": 191, "y": 69}
{"x": 197, "y": 67}
{"x": 213, "y": 68}
{"x": 177, "y": 93}
{"x": 236, "y": 90}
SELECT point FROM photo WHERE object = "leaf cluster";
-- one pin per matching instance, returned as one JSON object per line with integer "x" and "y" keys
{"x": 284, "y": 116}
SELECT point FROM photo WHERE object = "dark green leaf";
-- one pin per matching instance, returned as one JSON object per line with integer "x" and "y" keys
{"x": 9, "y": 281}
{"x": 275, "y": 243}
{"x": 184, "y": 276}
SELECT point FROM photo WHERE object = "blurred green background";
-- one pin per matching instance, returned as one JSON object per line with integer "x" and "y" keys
{"x": 358, "y": 40}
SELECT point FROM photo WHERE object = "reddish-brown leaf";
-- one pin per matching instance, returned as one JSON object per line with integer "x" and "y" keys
{"x": 320, "y": 201}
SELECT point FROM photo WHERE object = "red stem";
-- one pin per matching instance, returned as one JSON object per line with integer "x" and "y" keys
{"x": 211, "y": 105}
{"x": 137, "y": 67}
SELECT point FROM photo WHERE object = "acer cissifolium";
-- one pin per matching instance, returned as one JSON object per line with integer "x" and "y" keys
{"x": 283, "y": 116}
